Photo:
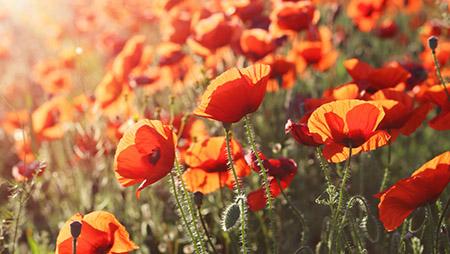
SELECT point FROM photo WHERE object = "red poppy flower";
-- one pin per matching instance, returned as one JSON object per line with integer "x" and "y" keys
{"x": 316, "y": 50}
{"x": 437, "y": 95}
{"x": 234, "y": 94}
{"x": 301, "y": 133}
{"x": 212, "y": 32}
{"x": 365, "y": 13}
{"x": 293, "y": 17}
{"x": 101, "y": 232}
{"x": 56, "y": 82}
{"x": 387, "y": 29}
{"x": 50, "y": 118}
{"x": 179, "y": 27}
{"x": 207, "y": 164}
{"x": 145, "y": 154}
{"x": 257, "y": 43}
{"x": 23, "y": 171}
{"x": 374, "y": 79}
{"x": 348, "y": 123}
{"x": 400, "y": 113}
{"x": 245, "y": 9}
{"x": 422, "y": 187}
{"x": 280, "y": 172}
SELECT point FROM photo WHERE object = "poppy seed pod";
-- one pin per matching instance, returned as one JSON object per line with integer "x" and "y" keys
{"x": 433, "y": 42}
{"x": 75, "y": 229}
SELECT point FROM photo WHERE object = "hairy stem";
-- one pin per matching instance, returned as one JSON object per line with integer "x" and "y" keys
{"x": 386, "y": 169}
{"x": 438, "y": 72}
{"x": 251, "y": 139}
{"x": 238, "y": 190}
{"x": 438, "y": 229}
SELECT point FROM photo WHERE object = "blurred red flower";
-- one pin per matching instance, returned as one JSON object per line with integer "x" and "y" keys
{"x": 208, "y": 165}
{"x": 280, "y": 172}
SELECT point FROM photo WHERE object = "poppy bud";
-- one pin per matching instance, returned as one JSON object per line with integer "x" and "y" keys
{"x": 231, "y": 217}
{"x": 198, "y": 198}
{"x": 75, "y": 229}
{"x": 433, "y": 42}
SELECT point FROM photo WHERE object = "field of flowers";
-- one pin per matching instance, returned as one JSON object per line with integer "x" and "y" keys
{"x": 224, "y": 126}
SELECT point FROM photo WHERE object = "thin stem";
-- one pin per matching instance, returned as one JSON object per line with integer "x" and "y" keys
{"x": 238, "y": 189}
{"x": 206, "y": 230}
{"x": 251, "y": 139}
{"x": 183, "y": 215}
{"x": 438, "y": 72}
{"x": 386, "y": 170}
{"x": 17, "y": 220}
{"x": 438, "y": 229}
{"x": 188, "y": 200}
{"x": 296, "y": 211}
{"x": 341, "y": 193}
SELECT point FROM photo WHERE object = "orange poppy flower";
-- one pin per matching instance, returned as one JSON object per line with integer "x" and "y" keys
{"x": 316, "y": 50}
{"x": 14, "y": 120}
{"x": 56, "y": 82}
{"x": 234, "y": 94}
{"x": 208, "y": 165}
{"x": 374, "y": 79}
{"x": 437, "y": 95}
{"x": 23, "y": 171}
{"x": 293, "y": 16}
{"x": 365, "y": 13}
{"x": 280, "y": 172}
{"x": 283, "y": 73}
{"x": 50, "y": 118}
{"x": 400, "y": 114}
{"x": 178, "y": 28}
{"x": 257, "y": 43}
{"x": 348, "y": 123}
{"x": 422, "y": 187}
{"x": 101, "y": 232}
{"x": 212, "y": 33}
{"x": 128, "y": 58}
{"x": 169, "y": 54}
{"x": 145, "y": 154}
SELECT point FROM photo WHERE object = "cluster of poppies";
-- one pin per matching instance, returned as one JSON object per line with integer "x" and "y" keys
{"x": 212, "y": 64}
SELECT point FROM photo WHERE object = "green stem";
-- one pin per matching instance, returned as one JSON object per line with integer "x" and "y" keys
{"x": 238, "y": 189}
{"x": 205, "y": 228}
{"x": 441, "y": 219}
{"x": 17, "y": 220}
{"x": 341, "y": 194}
{"x": 251, "y": 139}
{"x": 386, "y": 169}
{"x": 191, "y": 210}
{"x": 438, "y": 72}
{"x": 296, "y": 211}
{"x": 183, "y": 215}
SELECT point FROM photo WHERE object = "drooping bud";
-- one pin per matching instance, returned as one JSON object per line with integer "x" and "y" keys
{"x": 198, "y": 198}
{"x": 433, "y": 42}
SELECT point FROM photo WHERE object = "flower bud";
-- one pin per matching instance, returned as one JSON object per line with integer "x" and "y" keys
{"x": 433, "y": 42}
{"x": 75, "y": 229}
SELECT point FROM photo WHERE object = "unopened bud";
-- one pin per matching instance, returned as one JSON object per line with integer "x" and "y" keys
{"x": 75, "y": 229}
{"x": 433, "y": 42}
{"x": 198, "y": 198}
